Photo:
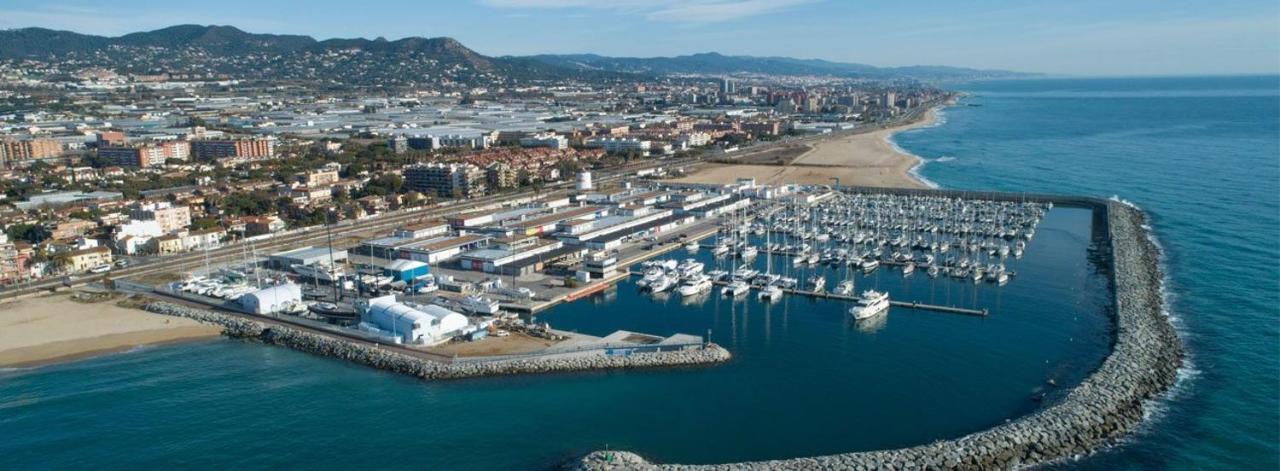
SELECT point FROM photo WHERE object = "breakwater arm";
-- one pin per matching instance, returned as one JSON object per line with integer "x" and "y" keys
{"x": 385, "y": 359}
{"x": 1105, "y": 406}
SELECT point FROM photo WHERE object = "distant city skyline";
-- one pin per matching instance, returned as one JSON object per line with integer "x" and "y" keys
{"x": 1090, "y": 37}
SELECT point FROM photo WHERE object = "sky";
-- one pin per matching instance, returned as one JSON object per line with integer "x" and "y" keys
{"x": 1078, "y": 37}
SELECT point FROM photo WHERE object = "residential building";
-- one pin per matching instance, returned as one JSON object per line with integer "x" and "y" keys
{"x": 257, "y": 225}
{"x": 445, "y": 180}
{"x": 30, "y": 149}
{"x": 319, "y": 177}
{"x": 171, "y": 218}
{"x": 398, "y": 144}
{"x": 551, "y": 140}
{"x": 615, "y": 145}
{"x": 253, "y": 148}
{"x": 71, "y": 229}
{"x": 110, "y": 139}
{"x": 166, "y": 244}
{"x": 83, "y": 260}
{"x": 501, "y": 176}
{"x": 473, "y": 142}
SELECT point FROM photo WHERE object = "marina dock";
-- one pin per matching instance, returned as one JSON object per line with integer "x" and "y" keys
{"x": 906, "y": 304}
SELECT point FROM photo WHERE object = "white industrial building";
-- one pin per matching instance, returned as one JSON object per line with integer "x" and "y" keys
{"x": 551, "y": 140}
{"x": 272, "y": 299}
{"x": 614, "y": 145}
{"x": 415, "y": 324}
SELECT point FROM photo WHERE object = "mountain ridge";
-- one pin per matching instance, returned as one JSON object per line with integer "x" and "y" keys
{"x": 236, "y": 52}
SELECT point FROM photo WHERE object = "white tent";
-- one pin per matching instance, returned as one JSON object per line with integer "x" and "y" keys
{"x": 273, "y": 299}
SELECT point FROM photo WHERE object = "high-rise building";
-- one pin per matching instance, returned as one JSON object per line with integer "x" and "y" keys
{"x": 398, "y": 144}
{"x": 890, "y": 99}
{"x": 726, "y": 86}
{"x": 446, "y": 180}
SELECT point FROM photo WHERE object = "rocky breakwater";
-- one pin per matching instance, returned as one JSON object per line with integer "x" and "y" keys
{"x": 426, "y": 367}
{"x": 1108, "y": 404}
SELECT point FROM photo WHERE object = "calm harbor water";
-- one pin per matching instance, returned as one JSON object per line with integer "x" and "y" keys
{"x": 1203, "y": 156}
{"x": 804, "y": 381}
{"x": 1200, "y": 153}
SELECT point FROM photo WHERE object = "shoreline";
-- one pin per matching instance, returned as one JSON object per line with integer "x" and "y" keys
{"x": 866, "y": 158}
{"x": 934, "y": 119}
{"x": 42, "y": 331}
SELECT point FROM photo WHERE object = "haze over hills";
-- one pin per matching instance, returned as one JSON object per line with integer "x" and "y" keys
{"x": 716, "y": 63}
{"x": 228, "y": 52}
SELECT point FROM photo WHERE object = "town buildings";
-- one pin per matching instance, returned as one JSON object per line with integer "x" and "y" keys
{"x": 446, "y": 180}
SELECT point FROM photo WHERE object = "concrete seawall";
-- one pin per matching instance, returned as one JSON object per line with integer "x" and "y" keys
{"x": 384, "y": 359}
{"x": 1105, "y": 406}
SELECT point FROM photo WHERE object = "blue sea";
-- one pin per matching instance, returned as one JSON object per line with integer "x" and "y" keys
{"x": 1201, "y": 154}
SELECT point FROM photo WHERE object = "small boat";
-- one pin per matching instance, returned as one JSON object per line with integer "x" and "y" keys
{"x": 696, "y": 285}
{"x": 736, "y": 288}
{"x": 318, "y": 271}
{"x": 650, "y": 274}
{"x": 689, "y": 267}
{"x": 908, "y": 269}
{"x": 869, "y": 266}
{"x": 721, "y": 250}
{"x": 771, "y": 292}
{"x": 662, "y": 284}
{"x": 870, "y": 304}
{"x": 691, "y": 246}
{"x": 843, "y": 288}
{"x": 479, "y": 305}
{"x": 748, "y": 252}
{"x": 815, "y": 283}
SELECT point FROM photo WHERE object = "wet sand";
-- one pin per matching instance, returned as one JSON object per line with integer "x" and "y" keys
{"x": 863, "y": 159}
{"x": 50, "y": 329}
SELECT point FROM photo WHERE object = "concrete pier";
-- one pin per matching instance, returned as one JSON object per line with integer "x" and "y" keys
{"x": 838, "y": 297}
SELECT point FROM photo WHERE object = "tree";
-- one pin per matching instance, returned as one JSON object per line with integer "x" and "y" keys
{"x": 30, "y": 233}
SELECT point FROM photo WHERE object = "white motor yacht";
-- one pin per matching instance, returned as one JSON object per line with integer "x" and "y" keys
{"x": 870, "y": 304}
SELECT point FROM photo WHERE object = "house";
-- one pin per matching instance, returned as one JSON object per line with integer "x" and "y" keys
{"x": 166, "y": 244}
{"x": 81, "y": 261}
{"x": 257, "y": 225}
{"x": 71, "y": 229}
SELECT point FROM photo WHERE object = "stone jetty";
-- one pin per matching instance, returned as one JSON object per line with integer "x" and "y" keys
{"x": 1108, "y": 404}
{"x": 385, "y": 359}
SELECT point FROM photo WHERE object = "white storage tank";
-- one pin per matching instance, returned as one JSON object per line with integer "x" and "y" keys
{"x": 584, "y": 181}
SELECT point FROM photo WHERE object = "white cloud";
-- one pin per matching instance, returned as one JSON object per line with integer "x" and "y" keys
{"x": 679, "y": 11}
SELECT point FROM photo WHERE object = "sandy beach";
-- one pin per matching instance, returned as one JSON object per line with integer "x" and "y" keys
{"x": 863, "y": 159}
{"x": 48, "y": 329}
